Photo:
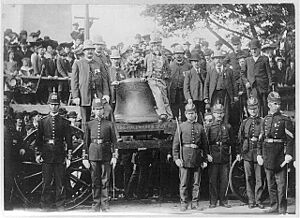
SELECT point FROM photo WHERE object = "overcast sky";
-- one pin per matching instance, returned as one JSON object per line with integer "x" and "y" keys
{"x": 120, "y": 23}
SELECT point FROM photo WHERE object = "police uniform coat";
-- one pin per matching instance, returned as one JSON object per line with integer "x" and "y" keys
{"x": 55, "y": 129}
{"x": 104, "y": 131}
{"x": 259, "y": 73}
{"x": 211, "y": 83}
{"x": 194, "y": 84}
{"x": 276, "y": 126}
{"x": 190, "y": 133}
{"x": 250, "y": 127}
{"x": 219, "y": 140}
{"x": 80, "y": 81}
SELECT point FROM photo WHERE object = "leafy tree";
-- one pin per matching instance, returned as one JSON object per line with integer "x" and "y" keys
{"x": 268, "y": 22}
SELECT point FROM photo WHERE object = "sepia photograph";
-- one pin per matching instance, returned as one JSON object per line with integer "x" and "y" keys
{"x": 150, "y": 109}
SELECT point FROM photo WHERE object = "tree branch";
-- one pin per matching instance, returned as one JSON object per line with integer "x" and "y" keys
{"x": 217, "y": 35}
{"x": 252, "y": 28}
{"x": 228, "y": 29}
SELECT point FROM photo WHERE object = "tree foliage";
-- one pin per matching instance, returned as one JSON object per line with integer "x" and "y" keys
{"x": 263, "y": 21}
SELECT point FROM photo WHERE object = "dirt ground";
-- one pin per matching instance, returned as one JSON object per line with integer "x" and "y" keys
{"x": 154, "y": 208}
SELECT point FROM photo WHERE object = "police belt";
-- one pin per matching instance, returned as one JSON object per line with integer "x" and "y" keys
{"x": 53, "y": 141}
{"x": 191, "y": 146}
{"x": 270, "y": 140}
{"x": 252, "y": 139}
{"x": 99, "y": 141}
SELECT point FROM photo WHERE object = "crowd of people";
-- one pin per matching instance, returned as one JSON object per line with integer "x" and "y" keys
{"x": 208, "y": 90}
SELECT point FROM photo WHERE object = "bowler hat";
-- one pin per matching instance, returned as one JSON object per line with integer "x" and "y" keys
{"x": 190, "y": 107}
{"x": 274, "y": 97}
{"x": 23, "y": 32}
{"x": 241, "y": 54}
{"x": 268, "y": 46}
{"x": 54, "y": 98}
{"x": 207, "y": 52}
{"x": 88, "y": 44}
{"x": 195, "y": 56}
{"x": 98, "y": 40}
{"x": 235, "y": 40}
{"x": 66, "y": 44}
{"x": 252, "y": 102}
{"x": 115, "y": 54}
{"x": 187, "y": 43}
{"x": 178, "y": 50}
{"x": 219, "y": 54}
{"x": 254, "y": 43}
{"x": 218, "y": 108}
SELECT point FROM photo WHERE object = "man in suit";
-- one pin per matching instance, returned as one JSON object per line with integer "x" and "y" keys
{"x": 258, "y": 75}
{"x": 99, "y": 154}
{"x": 87, "y": 81}
{"x": 53, "y": 131}
{"x": 219, "y": 86}
{"x": 175, "y": 83}
{"x": 194, "y": 85}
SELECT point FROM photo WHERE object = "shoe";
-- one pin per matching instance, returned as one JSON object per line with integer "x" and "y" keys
{"x": 260, "y": 206}
{"x": 183, "y": 207}
{"x": 272, "y": 210}
{"x": 194, "y": 206}
{"x": 225, "y": 205}
{"x": 212, "y": 205}
{"x": 251, "y": 206}
{"x": 95, "y": 208}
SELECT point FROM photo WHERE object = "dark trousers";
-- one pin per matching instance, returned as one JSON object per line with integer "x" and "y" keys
{"x": 222, "y": 97}
{"x": 262, "y": 101}
{"x": 254, "y": 181}
{"x": 178, "y": 105}
{"x": 8, "y": 185}
{"x": 218, "y": 181}
{"x": 50, "y": 171}
{"x": 85, "y": 112}
{"x": 100, "y": 174}
{"x": 190, "y": 179}
{"x": 200, "y": 108}
{"x": 277, "y": 189}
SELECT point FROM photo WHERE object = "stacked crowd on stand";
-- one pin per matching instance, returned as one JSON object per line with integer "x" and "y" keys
{"x": 209, "y": 91}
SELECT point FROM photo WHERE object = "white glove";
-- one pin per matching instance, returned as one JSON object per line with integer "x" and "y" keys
{"x": 22, "y": 151}
{"x": 38, "y": 159}
{"x": 106, "y": 97}
{"x": 115, "y": 83}
{"x": 68, "y": 163}
{"x": 248, "y": 85}
{"x": 113, "y": 162}
{"x": 76, "y": 101}
{"x": 260, "y": 160}
{"x": 179, "y": 163}
{"x": 288, "y": 158}
{"x": 209, "y": 158}
{"x": 294, "y": 164}
{"x": 238, "y": 157}
{"x": 190, "y": 101}
{"x": 203, "y": 165}
{"x": 86, "y": 163}
{"x": 235, "y": 99}
{"x": 169, "y": 156}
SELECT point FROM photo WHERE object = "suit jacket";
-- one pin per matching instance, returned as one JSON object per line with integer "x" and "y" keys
{"x": 80, "y": 81}
{"x": 51, "y": 67}
{"x": 38, "y": 64}
{"x": 194, "y": 85}
{"x": 63, "y": 67}
{"x": 211, "y": 83}
{"x": 100, "y": 129}
{"x": 54, "y": 128}
{"x": 259, "y": 73}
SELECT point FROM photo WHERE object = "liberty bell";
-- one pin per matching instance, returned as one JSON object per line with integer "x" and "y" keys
{"x": 134, "y": 102}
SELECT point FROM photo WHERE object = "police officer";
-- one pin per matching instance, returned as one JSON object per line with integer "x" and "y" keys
{"x": 275, "y": 152}
{"x": 99, "y": 149}
{"x": 219, "y": 140}
{"x": 248, "y": 137}
{"x": 52, "y": 133}
{"x": 189, "y": 152}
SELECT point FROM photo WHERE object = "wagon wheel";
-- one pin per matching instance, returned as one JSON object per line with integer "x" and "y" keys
{"x": 237, "y": 181}
{"x": 28, "y": 179}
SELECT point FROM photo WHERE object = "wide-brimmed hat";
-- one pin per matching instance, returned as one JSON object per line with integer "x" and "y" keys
{"x": 178, "y": 50}
{"x": 195, "y": 56}
{"x": 187, "y": 43}
{"x": 88, "y": 44}
{"x": 155, "y": 38}
{"x": 219, "y": 54}
{"x": 268, "y": 46}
